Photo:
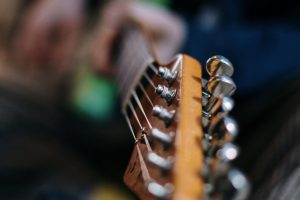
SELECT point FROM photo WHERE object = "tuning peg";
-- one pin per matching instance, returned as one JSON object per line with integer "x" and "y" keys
{"x": 160, "y": 191}
{"x": 214, "y": 106}
{"x": 232, "y": 185}
{"x": 167, "y": 75}
{"x": 221, "y": 86}
{"x": 219, "y": 65}
{"x": 163, "y": 114}
{"x": 228, "y": 152}
{"x": 164, "y": 138}
{"x": 165, "y": 164}
{"x": 222, "y": 129}
{"x": 166, "y": 93}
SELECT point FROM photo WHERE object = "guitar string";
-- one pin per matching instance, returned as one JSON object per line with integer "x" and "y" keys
{"x": 149, "y": 80}
{"x": 153, "y": 68}
{"x": 146, "y": 94}
{"x": 147, "y": 142}
{"x": 135, "y": 115}
{"x": 144, "y": 169}
{"x": 142, "y": 129}
{"x": 130, "y": 126}
{"x": 141, "y": 107}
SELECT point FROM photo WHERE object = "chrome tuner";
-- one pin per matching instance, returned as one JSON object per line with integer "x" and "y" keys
{"x": 164, "y": 138}
{"x": 166, "y": 93}
{"x": 221, "y": 86}
{"x": 167, "y": 75}
{"x": 219, "y": 65}
{"x": 160, "y": 191}
{"x": 163, "y": 114}
{"x": 165, "y": 164}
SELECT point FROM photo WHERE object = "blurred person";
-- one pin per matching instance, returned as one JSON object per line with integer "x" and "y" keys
{"x": 46, "y": 152}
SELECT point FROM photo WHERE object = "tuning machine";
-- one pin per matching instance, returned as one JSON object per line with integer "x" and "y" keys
{"x": 166, "y": 93}
{"x": 220, "y": 83}
{"x": 160, "y": 191}
{"x": 164, "y": 115}
{"x": 167, "y": 75}
{"x": 165, "y": 138}
{"x": 164, "y": 164}
{"x": 222, "y": 129}
{"x": 215, "y": 106}
{"x": 219, "y": 65}
{"x": 233, "y": 185}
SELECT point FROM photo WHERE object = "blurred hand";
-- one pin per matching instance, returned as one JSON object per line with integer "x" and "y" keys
{"x": 49, "y": 33}
{"x": 167, "y": 29}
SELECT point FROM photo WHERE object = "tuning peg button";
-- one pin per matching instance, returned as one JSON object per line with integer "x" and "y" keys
{"x": 214, "y": 106}
{"x": 233, "y": 185}
{"x": 164, "y": 138}
{"x": 165, "y": 164}
{"x": 166, "y": 93}
{"x": 160, "y": 191}
{"x": 163, "y": 114}
{"x": 221, "y": 86}
{"x": 219, "y": 65}
{"x": 228, "y": 152}
{"x": 167, "y": 75}
{"x": 223, "y": 127}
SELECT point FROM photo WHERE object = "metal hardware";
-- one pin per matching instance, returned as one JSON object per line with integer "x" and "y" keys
{"x": 221, "y": 86}
{"x": 232, "y": 185}
{"x": 228, "y": 152}
{"x": 166, "y": 93}
{"x": 163, "y": 114}
{"x": 219, "y": 65}
{"x": 164, "y": 164}
{"x": 165, "y": 139}
{"x": 167, "y": 75}
{"x": 160, "y": 191}
{"x": 223, "y": 127}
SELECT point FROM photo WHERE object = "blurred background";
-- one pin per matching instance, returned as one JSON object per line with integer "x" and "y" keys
{"x": 62, "y": 136}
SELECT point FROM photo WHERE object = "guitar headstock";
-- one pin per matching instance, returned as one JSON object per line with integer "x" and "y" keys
{"x": 182, "y": 132}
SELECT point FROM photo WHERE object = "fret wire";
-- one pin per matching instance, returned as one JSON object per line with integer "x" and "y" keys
{"x": 140, "y": 106}
{"x": 146, "y": 94}
{"x": 153, "y": 68}
{"x": 129, "y": 124}
{"x": 135, "y": 115}
{"x": 149, "y": 80}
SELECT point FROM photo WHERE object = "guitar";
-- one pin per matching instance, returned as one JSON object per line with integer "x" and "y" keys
{"x": 182, "y": 134}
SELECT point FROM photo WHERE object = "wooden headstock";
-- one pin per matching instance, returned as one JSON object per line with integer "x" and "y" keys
{"x": 176, "y": 141}
{"x": 180, "y": 126}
